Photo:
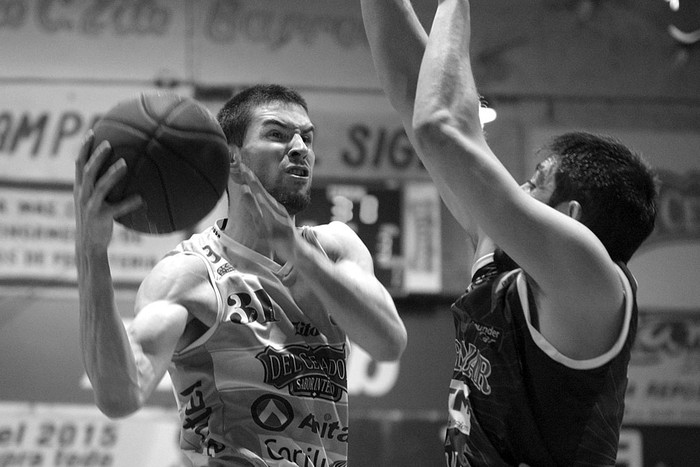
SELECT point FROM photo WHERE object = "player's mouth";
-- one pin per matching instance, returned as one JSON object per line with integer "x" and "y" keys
{"x": 298, "y": 172}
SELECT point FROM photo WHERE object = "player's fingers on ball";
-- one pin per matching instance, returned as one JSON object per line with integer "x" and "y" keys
{"x": 95, "y": 162}
{"x": 114, "y": 173}
{"x": 83, "y": 155}
{"x": 124, "y": 207}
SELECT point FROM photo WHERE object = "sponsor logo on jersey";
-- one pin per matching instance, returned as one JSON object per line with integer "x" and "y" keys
{"x": 301, "y": 454}
{"x": 272, "y": 412}
{"x": 304, "y": 329}
{"x": 318, "y": 372}
{"x": 488, "y": 334}
{"x": 328, "y": 429}
{"x": 196, "y": 417}
{"x": 471, "y": 364}
{"x": 224, "y": 269}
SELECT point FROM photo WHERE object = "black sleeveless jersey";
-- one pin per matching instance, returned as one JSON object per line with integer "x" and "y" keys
{"x": 514, "y": 398}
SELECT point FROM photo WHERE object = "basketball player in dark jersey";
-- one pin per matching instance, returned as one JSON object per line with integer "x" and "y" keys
{"x": 544, "y": 331}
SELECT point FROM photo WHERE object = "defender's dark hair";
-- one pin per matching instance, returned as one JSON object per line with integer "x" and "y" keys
{"x": 234, "y": 117}
{"x": 614, "y": 185}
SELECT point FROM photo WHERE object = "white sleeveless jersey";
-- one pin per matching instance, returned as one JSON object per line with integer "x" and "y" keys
{"x": 262, "y": 387}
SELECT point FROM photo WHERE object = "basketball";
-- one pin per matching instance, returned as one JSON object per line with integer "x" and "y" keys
{"x": 176, "y": 155}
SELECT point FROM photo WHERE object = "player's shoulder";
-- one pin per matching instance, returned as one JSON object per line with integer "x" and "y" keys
{"x": 178, "y": 262}
{"x": 340, "y": 241}
{"x": 335, "y": 230}
{"x": 177, "y": 277}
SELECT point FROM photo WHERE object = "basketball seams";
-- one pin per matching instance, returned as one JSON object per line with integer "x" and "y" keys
{"x": 196, "y": 132}
{"x": 170, "y": 190}
{"x": 156, "y": 143}
{"x": 167, "y": 127}
{"x": 150, "y": 111}
{"x": 152, "y": 136}
{"x": 182, "y": 159}
{"x": 167, "y": 118}
{"x": 177, "y": 158}
{"x": 166, "y": 124}
{"x": 127, "y": 127}
{"x": 170, "y": 119}
{"x": 166, "y": 192}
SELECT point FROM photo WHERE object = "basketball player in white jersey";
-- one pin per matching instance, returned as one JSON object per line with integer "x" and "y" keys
{"x": 252, "y": 317}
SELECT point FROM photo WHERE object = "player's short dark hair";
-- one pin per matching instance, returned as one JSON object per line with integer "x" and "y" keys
{"x": 235, "y": 116}
{"x": 614, "y": 185}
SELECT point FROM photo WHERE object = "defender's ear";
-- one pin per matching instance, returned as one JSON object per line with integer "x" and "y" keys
{"x": 574, "y": 210}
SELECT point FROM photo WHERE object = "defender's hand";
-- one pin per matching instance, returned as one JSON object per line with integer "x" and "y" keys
{"x": 275, "y": 220}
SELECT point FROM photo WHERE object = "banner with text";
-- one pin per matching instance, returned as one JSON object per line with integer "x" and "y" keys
{"x": 664, "y": 372}
{"x": 37, "y": 240}
{"x": 70, "y": 435}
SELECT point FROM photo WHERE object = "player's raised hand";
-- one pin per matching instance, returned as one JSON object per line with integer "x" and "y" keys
{"x": 94, "y": 216}
{"x": 275, "y": 220}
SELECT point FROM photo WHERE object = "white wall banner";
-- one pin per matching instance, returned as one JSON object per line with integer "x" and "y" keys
{"x": 664, "y": 372}
{"x": 90, "y": 40}
{"x": 55, "y": 435}
{"x": 42, "y": 127}
{"x": 211, "y": 41}
{"x": 41, "y": 130}
{"x": 286, "y": 41}
{"x": 37, "y": 241}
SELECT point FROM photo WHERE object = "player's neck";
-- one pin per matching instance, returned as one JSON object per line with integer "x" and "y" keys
{"x": 241, "y": 227}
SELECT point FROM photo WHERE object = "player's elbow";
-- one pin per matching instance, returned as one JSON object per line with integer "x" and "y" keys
{"x": 393, "y": 346}
{"x": 114, "y": 406}
{"x": 432, "y": 129}
{"x": 399, "y": 346}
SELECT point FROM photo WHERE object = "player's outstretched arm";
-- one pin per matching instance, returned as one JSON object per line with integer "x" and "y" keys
{"x": 567, "y": 265}
{"x": 397, "y": 42}
{"x": 111, "y": 363}
{"x": 350, "y": 292}
{"x": 343, "y": 281}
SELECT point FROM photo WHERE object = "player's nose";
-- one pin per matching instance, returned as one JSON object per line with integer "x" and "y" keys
{"x": 298, "y": 148}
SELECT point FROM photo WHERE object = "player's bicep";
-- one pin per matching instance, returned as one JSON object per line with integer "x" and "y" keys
{"x": 161, "y": 314}
{"x": 154, "y": 335}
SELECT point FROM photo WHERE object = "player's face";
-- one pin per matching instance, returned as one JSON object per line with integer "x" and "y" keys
{"x": 542, "y": 183}
{"x": 278, "y": 147}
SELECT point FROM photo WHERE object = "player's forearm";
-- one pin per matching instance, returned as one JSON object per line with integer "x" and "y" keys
{"x": 397, "y": 41}
{"x": 107, "y": 356}
{"x": 446, "y": 93}
{"x": 446, "y": 124}
{"x": 357, "y": 302}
